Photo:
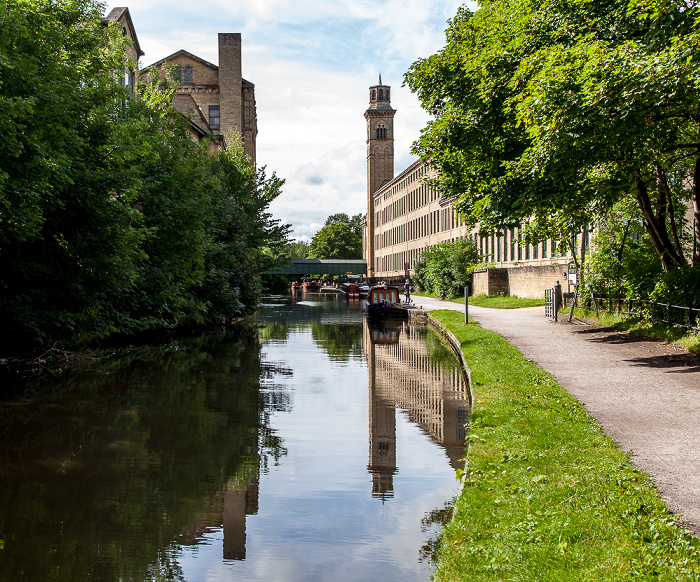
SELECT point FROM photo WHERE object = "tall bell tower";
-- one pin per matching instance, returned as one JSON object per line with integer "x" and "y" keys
{"x": 380, "y": 156}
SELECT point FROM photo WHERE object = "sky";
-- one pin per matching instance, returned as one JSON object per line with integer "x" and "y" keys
{"x": 312, "y": 64}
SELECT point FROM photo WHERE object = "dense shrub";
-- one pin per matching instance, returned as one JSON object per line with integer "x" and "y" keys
{"x": 112, "y": 220}
{"x": 446, "y": 268}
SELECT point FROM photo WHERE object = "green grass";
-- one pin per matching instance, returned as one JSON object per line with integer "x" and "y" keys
{"x": 546, "y": 494}
{"x": 493, "y": 301}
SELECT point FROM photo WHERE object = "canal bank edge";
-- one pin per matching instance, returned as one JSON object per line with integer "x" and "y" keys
{"x": 546, "y": 493}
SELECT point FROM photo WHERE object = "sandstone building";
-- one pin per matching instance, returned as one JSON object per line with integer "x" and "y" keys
{"x": 216, "y": 100}
{"x": 405, "y": 215}
{"x": 121, "y": 17}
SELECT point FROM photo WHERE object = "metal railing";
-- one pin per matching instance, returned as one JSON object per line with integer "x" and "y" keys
{"x": 653, "y": 311}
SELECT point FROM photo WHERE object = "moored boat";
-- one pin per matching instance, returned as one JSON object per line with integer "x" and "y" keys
{"x": 351, "y": 290}
{"x": 384, "y": 303}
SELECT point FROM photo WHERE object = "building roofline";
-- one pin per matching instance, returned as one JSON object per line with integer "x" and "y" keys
{"x": 177, "y": 53}
{"x": 115, "y": 15}
{"x": 398, "y": 178}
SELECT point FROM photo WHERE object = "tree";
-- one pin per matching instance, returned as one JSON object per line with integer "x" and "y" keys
{"x": 340, "y": 238}
{"x": 112, "y": 220}
{"x": 559, "y": 109}
{"x": 446, "y": 268}
{"x": 335, "y": 241}
{"x": 298, "y": 249}
{"x": 355, "y": 223}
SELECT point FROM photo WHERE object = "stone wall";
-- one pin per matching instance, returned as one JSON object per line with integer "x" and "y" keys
{"x": 529, "y": 282}
{"x": 490, "y": 282}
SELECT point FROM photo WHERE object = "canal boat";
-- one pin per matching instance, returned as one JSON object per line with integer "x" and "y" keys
{"x": 312, "y": 285}
{"x": 351, "y": 290}
{"x": 384, "y": 303}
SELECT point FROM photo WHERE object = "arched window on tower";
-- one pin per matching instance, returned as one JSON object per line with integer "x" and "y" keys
{"x": 381, "y": 94}
{"x": 374, "y": 94}
{"x": 188, "y": 75}
{"x": 381, "y": 130}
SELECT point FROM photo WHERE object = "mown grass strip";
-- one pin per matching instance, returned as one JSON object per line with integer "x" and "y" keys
{"x": 493, "y": 301}
{"x": 546, "y": 494}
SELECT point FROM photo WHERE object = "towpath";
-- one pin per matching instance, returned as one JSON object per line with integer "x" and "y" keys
{"x": 643, "y": 393}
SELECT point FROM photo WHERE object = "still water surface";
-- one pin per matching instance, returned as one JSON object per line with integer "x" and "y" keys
{"x": 310, "y": 448}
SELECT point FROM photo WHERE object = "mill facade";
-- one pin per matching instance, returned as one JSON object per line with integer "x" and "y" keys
{"x": 405, "y": 216}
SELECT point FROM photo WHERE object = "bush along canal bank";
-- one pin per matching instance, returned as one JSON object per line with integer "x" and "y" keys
{"x": 546, "y": 495}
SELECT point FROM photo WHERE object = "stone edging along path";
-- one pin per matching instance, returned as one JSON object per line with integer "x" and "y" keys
{"x": 643, "y": 393}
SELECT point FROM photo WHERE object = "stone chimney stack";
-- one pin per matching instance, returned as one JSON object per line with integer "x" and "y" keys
{"x": 230, "y": 81}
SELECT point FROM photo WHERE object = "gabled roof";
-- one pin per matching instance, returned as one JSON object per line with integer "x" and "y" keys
{"x": 183, "y": 52}
{"x": 121, "y": 16}
{"x": 177, "y": 54}
{"x": 187, "y": 107}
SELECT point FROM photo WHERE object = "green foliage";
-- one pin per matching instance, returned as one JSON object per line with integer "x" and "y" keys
{"x": 111, "y": 219}
{"x": 355, "y": 222}
{"x": 297, "y": 249}
{"x": 446, "y": 268}
{"x": 336, "y": 240}
{"x": 623, "y": 262}
{"x": 557, "y": 110}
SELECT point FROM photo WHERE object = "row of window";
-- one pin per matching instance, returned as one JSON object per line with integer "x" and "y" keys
{"x": 505, "y": 247}
{"x": 440, "y": 220}
{"x": 189, "y": 75}
{"x": 383, "y": 95}
{"x": 403, "y": 184}
{"x": 421, "y": 196}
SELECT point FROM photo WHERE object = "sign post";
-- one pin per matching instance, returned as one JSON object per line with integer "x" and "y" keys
{"x": 466, "y": 305}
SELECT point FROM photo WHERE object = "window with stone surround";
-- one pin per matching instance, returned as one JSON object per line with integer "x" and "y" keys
{"x": 214, "y": 118}
{"x": 189, "y": 73}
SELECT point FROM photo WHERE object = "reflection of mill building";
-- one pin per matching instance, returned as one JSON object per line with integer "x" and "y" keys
{"x": 435, "y": 397}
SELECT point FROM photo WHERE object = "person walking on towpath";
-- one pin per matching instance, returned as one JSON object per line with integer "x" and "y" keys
{"x": 407, "y": 291}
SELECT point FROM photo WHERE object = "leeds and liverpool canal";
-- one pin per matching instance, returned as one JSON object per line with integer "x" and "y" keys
{"x": 307, "y": 447}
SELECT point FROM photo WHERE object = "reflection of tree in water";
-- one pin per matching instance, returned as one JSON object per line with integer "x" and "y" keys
{"x": 339, "y": 341}
{"x": 438, "y": 353}
{"x": 437, "y": 517}
{"x": 274, "y": 330}
{"x": 102, "y": 469}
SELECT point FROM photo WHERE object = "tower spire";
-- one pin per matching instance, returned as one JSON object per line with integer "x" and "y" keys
{"x": 380, "y": 78}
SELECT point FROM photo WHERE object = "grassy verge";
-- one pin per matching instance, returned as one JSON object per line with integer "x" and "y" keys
{"x": 493, "y": 301}
{"x": 546, "y": 494}
{"x": 634, "y": 325}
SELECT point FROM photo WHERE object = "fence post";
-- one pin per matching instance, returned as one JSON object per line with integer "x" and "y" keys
{"x": 573, "y": 303}
{"x": 466, "y": 305}
{"x": 557, "y": 300}
{"x": 595, "y": 305}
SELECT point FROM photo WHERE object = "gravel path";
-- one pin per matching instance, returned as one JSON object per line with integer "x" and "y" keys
{"x": 643, "y": 393}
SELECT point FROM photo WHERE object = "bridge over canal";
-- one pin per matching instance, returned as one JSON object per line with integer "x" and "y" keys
{"x": 307, "y": 267}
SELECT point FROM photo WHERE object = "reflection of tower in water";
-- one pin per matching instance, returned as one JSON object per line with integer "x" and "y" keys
{"x": 435, "y": 397}
{"x": 240, "y": 500}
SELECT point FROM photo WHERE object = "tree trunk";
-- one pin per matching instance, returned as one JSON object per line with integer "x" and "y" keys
{"x": 655, "y": 228}
{"x": 696, "y": 213}
{"x": 663, "y": 187}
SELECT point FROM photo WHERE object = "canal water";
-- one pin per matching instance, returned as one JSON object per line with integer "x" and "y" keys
{"x": 308, "y": 447}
